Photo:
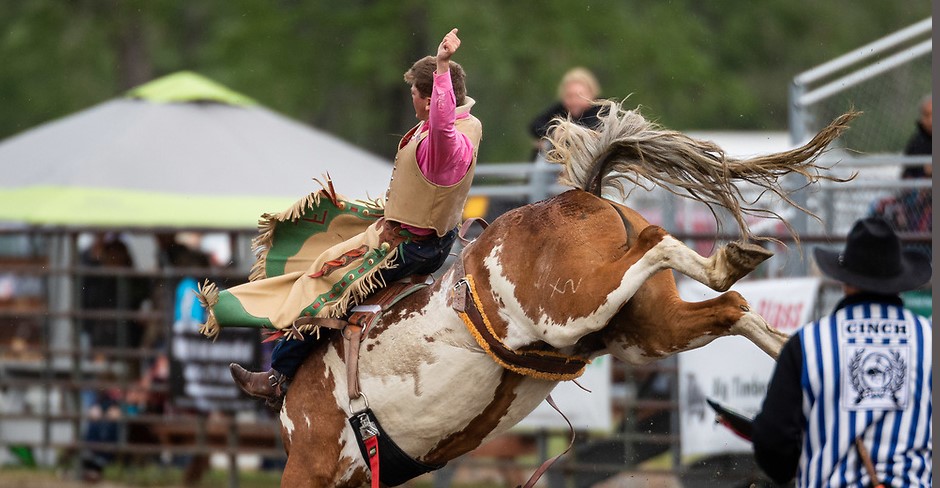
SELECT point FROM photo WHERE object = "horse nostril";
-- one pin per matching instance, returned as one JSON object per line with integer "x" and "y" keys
{"x": 745, "y": 308}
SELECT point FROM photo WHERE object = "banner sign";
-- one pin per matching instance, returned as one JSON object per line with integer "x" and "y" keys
{"x": 586, "y": 410}
{"x": 199, "y": 367}
{"x": 732, "y": 370}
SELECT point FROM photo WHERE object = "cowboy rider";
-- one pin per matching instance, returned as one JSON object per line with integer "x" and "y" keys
{"x": 430, "y": 182}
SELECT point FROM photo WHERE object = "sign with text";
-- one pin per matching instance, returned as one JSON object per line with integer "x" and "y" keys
{"x": 586, "y": 410}
{"x": 732, "y": 370}
{"x": 199, "y": 370}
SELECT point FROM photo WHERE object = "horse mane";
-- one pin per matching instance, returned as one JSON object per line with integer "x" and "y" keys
{"x": 627, "y": 147}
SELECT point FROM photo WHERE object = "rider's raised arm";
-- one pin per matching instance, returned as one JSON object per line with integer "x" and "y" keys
{"x": 449, "y": 151}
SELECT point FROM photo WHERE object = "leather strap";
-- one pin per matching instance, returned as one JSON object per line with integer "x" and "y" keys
{"x": 362, "y": 317}
{"x": 549, "y": 462}
{"x": 353, "y": 335}
{"x": 869, "y": 465}
{"x": 462, "y": 233}
{"x": 547, "y": 365}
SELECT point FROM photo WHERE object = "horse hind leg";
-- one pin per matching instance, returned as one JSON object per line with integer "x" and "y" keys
{"x": 719, "y": 271}
{"x": 736, "y": 259}
{"x": 729, "y": 314}
{"x": 760, "y": 332}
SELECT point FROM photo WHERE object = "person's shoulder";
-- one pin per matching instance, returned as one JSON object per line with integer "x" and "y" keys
{"x": 920, "y": 142}
{"x": 926, "y": 321}
{"x": 555, "y": 109}
{"x": 814, "y": 324}
{"x": 471, "y": 121}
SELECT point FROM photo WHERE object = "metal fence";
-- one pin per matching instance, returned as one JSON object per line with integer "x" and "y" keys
{"x": 885, "y": 79}
{"x": 57, "y": 353}
{"x": 875, "y": 189}
{"x": 46, "y": 368}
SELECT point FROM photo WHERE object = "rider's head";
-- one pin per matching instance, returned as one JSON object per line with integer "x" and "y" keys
{"x": 421, "y": 78}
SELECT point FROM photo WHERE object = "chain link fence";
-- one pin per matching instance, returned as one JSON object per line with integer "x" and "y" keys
{"x": 885, "y": 79}
{"x": 890, "y": 106}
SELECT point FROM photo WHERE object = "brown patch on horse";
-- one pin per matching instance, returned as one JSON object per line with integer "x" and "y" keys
{"x": 649, "y": 325}
{"x": 317, "y": 450}
{"x": 657, "y": 320}
{"x": 470, "y": 437}
{"x": 571, "y": 267}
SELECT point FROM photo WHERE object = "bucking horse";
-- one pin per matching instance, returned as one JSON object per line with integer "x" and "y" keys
{"x": 540, "y": 293}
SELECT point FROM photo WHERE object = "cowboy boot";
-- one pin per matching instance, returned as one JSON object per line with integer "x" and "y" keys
{"x": 268, "y": 385}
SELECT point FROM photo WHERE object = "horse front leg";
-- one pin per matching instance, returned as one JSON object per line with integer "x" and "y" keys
{"x": 321, "y": 449}
{"x": 656, "y": 323}
{"x": 721, "y": 270}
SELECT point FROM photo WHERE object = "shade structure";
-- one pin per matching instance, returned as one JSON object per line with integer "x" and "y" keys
{"x": 178, "y": 151}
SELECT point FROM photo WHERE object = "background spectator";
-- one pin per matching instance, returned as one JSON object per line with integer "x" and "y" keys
{"x": 911, "y": 210}
{"x": 922, "y": 140}
{"x": 101, "y": 292}
{"x": 576, "y": 93}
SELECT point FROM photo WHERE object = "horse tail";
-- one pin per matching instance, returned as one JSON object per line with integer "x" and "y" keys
{"x": 625, "y": 147}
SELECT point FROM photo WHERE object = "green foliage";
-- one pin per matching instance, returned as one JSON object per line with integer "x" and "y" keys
{"x": 720, "y": 64}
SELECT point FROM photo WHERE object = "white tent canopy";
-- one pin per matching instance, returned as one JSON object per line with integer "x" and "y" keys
{"x": 207, "y": 158}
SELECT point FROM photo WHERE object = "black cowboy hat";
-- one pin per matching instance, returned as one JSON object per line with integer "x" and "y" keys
{"x": 874, "y": 261}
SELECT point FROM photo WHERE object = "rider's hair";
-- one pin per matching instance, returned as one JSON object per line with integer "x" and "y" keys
{"x": 421, "y": 75}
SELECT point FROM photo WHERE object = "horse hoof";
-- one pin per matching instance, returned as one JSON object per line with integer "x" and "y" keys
{"x": 746, "y": 255}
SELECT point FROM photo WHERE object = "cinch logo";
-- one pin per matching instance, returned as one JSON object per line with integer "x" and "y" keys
{"x": 875, "y": 377}
{"x": 875, "y": 327}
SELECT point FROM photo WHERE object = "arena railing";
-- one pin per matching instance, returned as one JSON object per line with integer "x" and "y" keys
{"x": 61, "y": 369}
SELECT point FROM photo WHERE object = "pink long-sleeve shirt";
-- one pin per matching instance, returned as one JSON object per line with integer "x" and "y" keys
{"x": 444, "y": 156}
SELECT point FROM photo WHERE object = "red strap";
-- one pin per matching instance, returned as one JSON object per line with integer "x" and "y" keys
{"x": 272, "y": 336}
{"x": 548, "y": 463}
{"x": 372, "y": 448}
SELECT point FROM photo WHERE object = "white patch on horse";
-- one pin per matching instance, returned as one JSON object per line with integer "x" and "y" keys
{"x": 411, "y": 407}
{"x": 307, "y": 419}
{"x": 697, "y": 342}
{"x": 286, "y": 422}
{"x": 524, "y": 330}
{"x": 349, "y": 448}
{"x": 633, "y": 355}
{"x": 529, "y": 394}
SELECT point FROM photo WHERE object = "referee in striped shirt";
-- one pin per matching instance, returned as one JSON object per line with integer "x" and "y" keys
{"x": 849, "y": 403}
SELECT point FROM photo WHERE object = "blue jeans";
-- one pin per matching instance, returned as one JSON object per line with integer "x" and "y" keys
{"x": 415, "y": 258}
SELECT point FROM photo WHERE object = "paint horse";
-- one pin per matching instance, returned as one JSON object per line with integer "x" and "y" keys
{"x": 575, "y": 277}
